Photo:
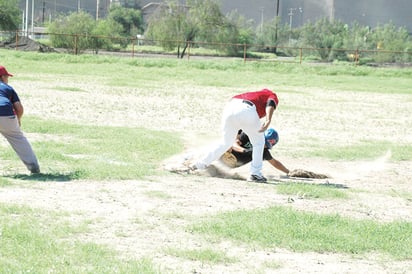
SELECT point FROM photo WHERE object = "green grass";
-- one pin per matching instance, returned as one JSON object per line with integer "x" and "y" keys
{"x": 4, "y": 182}
{"x": 312, "y": 191}
{"x": 222, "y": 73}
{"x": 94, "y": 152}
{"x": 37, "y": 241}
{"x": 302, "y": 231}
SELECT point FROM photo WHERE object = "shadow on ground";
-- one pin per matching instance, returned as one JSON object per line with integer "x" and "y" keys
{"x": 45, "y": 177}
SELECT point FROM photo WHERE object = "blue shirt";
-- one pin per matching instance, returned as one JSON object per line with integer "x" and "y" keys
{"x": 8, "y": 97}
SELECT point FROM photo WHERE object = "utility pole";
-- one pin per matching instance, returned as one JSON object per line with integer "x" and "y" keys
{"x": 22, "y": 21}
{"x": 261, "y": 18}
{"x": 97, "y": 9}
{"x": 291, "y": 13}
{"x": 26, "y": 24}
{"x": 44, "y": 10}
{"x": 291, "y": 10}
{"x": 276, "y": 26}
{"x": 32, "y": 17}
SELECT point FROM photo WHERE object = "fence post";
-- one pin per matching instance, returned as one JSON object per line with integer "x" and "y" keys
{"x": 244, "y": 52}
{"x": 188, "y": 49}
{"x": 133, "y": 43}
{"x": 357, "y": 57}
{"x": 17, "y": 40}
{"x": 75, "y": 44}
{"x": 300, "y": 58}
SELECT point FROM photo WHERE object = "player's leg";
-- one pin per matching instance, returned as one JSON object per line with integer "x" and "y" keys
{"x": 12, "y": 132}
{"x": 229, "y": 128}
{"x": 251, "y": 128}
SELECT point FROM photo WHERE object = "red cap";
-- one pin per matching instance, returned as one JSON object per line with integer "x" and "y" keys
{"x": 3, "y": 71}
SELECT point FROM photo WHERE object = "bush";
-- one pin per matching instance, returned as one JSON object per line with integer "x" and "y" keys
{"x": 389, "y": 38}
{"x": 103, "y": 31}
{"x": 72, "y": 32}
{"x": 324, "y": 35}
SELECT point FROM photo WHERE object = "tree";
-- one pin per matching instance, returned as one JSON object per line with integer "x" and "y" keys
{"x": 245, "y": 29}
{"x": 130, "y": 19}
{"x": 169, "y": 25}
{"x": 357, "y": 37}
{"x": 389, "y": 38}
{"x": 206, "y": 14}
{"x": 73, "y": 31}
{"x": 205, "y": 22}
{"x": 236, "y": 31}
{"x": 324, "y": 35}
{"x": 273, "y": 34}
{"x": 199, "y": 20}
{"x": 103, "y": 33}
{"x": 9, "y": 15}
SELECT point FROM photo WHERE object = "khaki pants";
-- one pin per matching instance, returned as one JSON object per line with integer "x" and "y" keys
{"x": 10, "y": 129}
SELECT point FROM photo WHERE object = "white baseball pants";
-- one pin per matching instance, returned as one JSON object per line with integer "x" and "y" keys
{"x": 239, "y": 115}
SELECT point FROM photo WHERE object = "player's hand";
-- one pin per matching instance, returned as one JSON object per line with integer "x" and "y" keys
{"x": 265, "y": 126}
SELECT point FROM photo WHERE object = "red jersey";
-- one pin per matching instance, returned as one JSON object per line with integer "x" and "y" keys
{"x": 259, "y": 99}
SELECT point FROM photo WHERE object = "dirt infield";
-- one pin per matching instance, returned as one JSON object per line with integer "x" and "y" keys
{"x": 129, "y": 217}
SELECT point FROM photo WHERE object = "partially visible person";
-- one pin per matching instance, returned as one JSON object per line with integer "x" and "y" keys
{"x": 245, "y": 111}
{"x": 11, "y": 112}
{"x": 242, "y": 149}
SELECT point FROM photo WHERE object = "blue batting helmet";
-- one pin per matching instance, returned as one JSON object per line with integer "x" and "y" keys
{"x": 271, "y": 137}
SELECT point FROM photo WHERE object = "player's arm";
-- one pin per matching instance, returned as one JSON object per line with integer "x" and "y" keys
{"x": 278, "y": 165}
{"x": 18, "y": 110}
{"x": 270, "y": 109}
{"x": 237, "y": 146}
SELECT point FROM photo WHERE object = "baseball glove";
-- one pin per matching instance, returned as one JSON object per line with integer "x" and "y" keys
{"x": 229, "y": 159}
{"x": 300, "y": 173}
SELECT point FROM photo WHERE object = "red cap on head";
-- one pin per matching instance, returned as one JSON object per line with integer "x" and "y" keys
{"x": 3, "y": 71}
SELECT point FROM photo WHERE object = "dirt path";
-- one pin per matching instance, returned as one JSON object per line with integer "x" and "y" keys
{"x": 146, "y": 218}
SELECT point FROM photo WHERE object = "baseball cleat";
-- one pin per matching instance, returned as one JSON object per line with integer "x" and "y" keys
{"x": 257, "y": 179}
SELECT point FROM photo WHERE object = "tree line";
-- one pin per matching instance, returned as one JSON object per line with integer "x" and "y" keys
{"x": 174, "y": 26}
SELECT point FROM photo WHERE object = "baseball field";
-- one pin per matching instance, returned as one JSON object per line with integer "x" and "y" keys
{"x": 104, "y": 128}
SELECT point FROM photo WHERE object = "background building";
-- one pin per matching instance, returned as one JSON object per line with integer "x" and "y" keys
{"x": 298, "y": 12}
{"x": 292, "y": 12}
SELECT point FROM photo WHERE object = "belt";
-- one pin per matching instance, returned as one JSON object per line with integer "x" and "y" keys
{"x": 248, "y": 103}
